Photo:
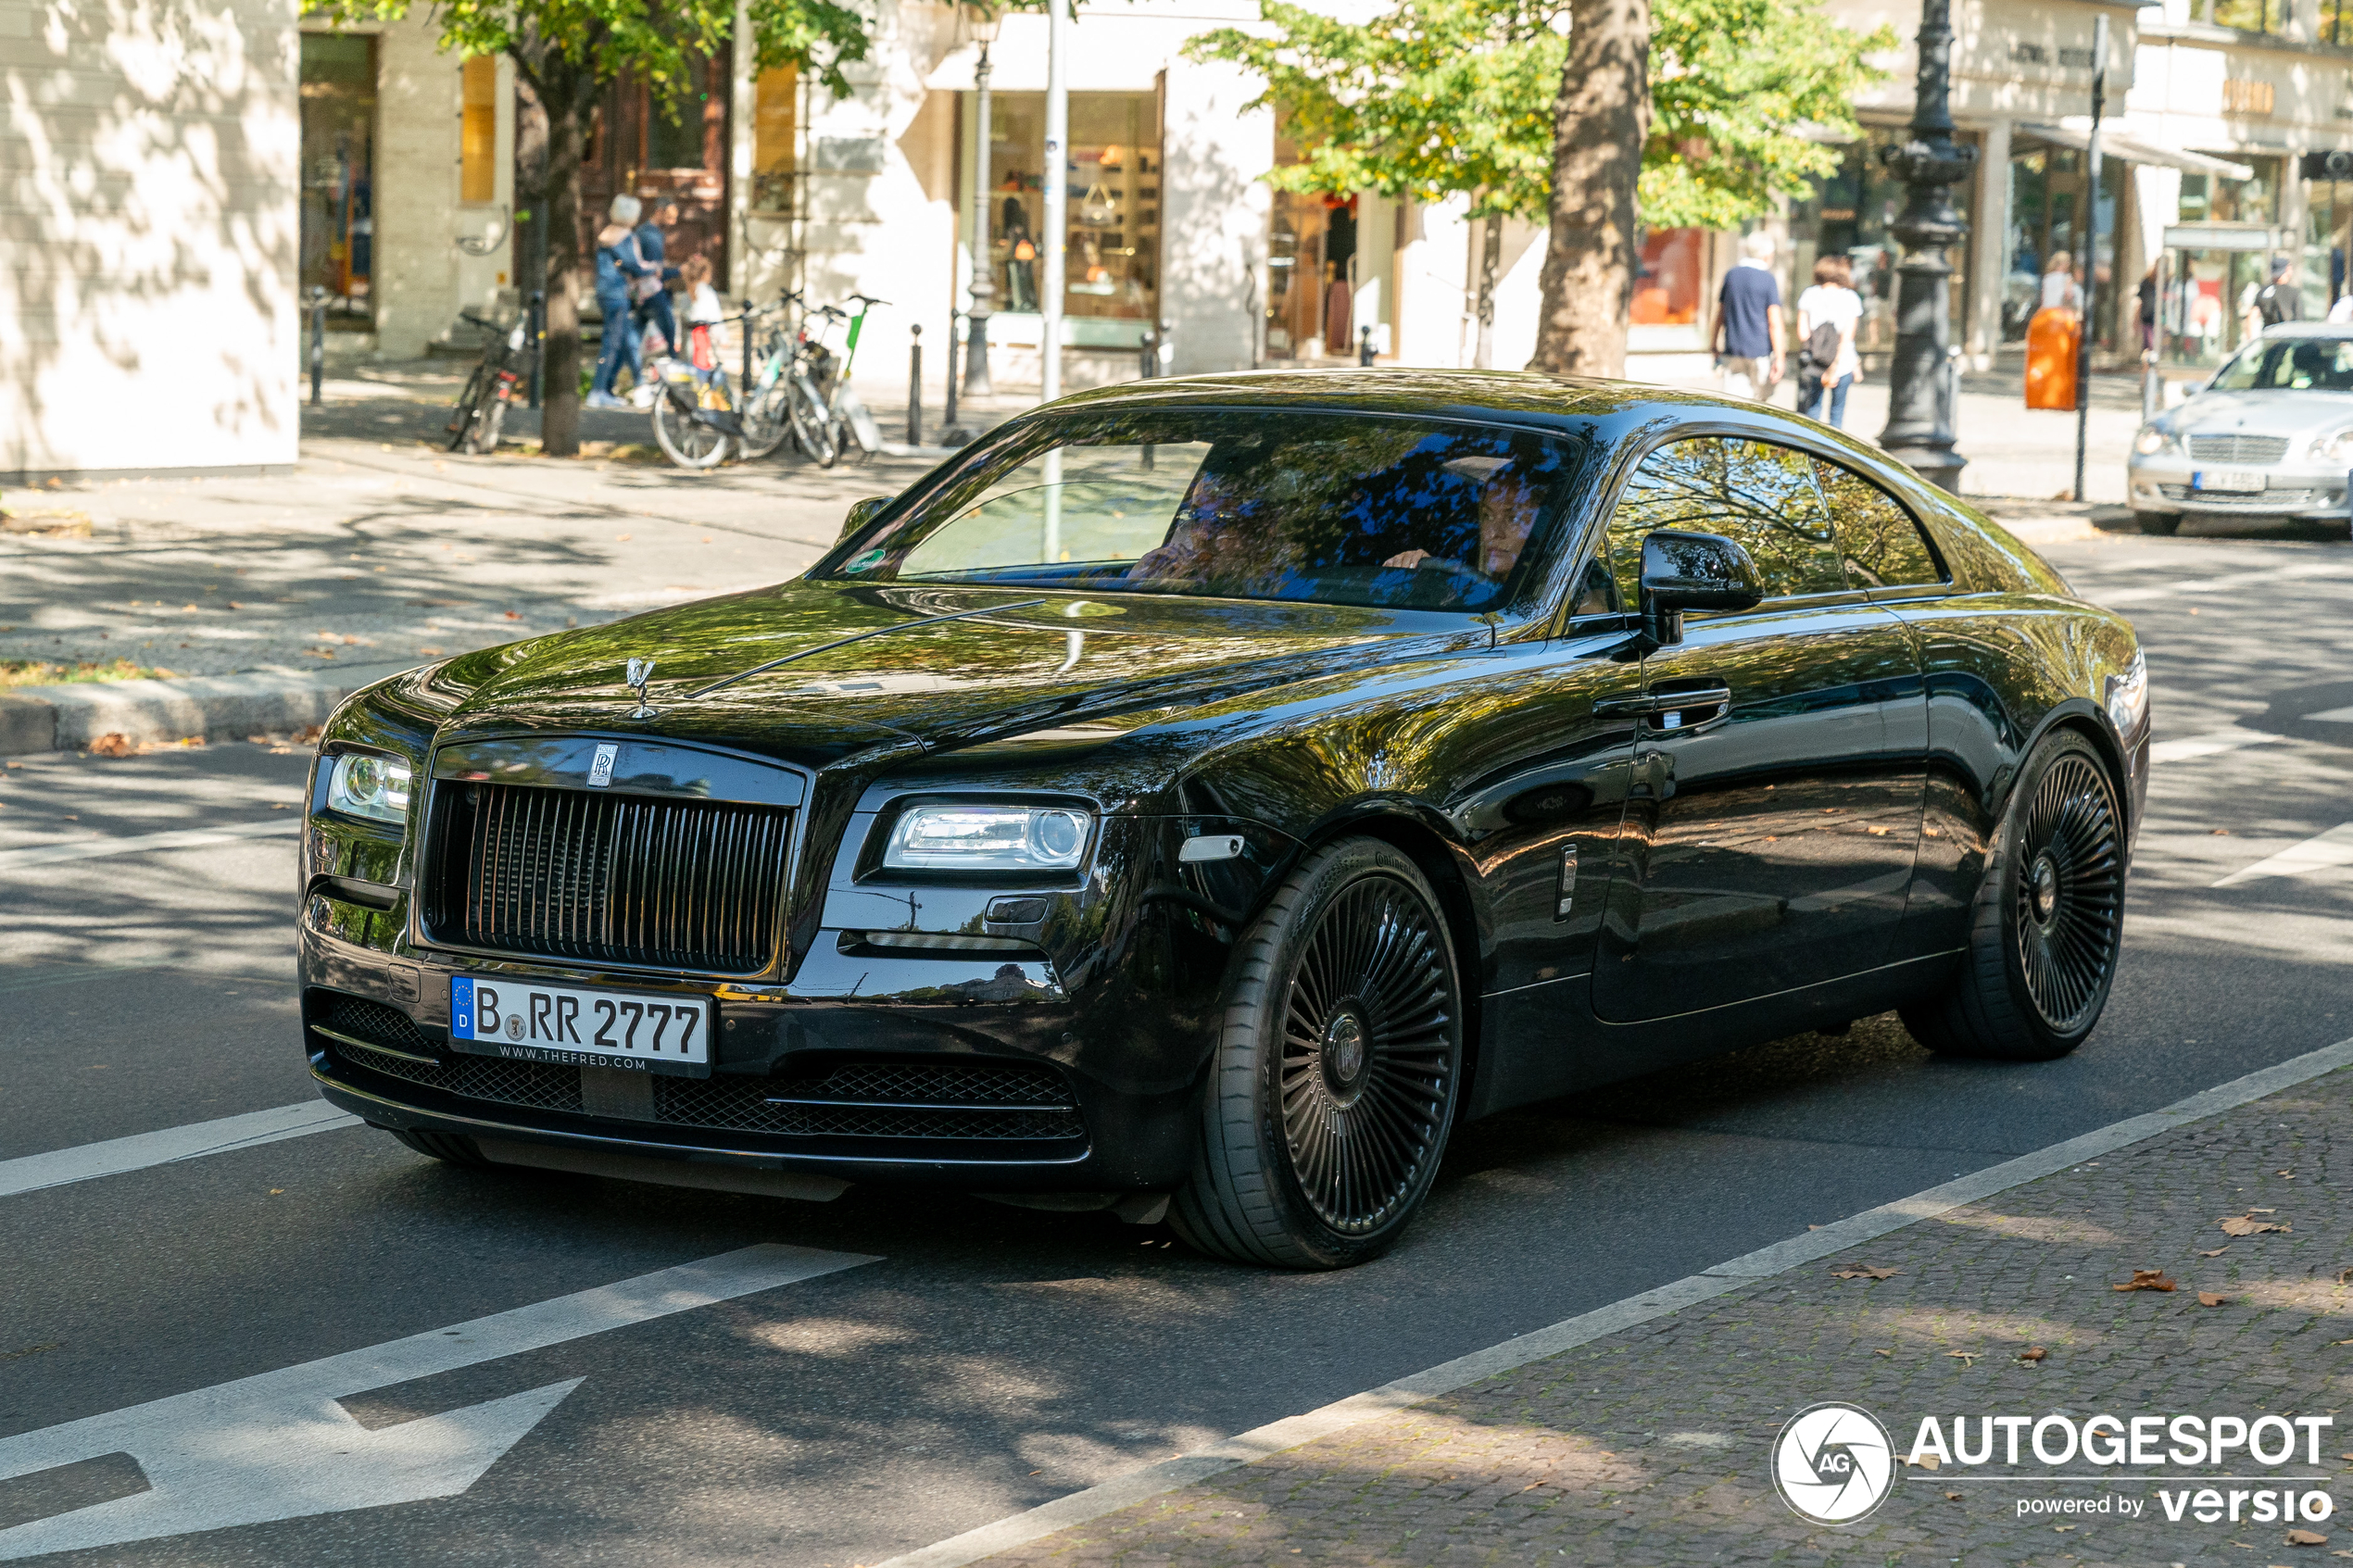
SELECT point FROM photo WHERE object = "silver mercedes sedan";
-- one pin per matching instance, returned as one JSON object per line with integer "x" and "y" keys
{"x": 2271, "y": 435}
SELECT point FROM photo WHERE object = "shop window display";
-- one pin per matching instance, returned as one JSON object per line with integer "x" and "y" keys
{"x": 1668, "y": 289}
{"x": 1112, "y": 260}
{"x": 1851, "y": 213}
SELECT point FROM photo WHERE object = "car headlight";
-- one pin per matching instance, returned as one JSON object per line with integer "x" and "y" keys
{"x": 988, "y": 839}
{"x": 2335, "y": 447}
{"x": 2151, "y": 441}
{"x": 2128, "y": 697}
{"x": 364, "y": 784}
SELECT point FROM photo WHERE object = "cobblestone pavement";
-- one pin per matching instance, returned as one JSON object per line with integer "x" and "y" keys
{"x": 1651, "y": 1446}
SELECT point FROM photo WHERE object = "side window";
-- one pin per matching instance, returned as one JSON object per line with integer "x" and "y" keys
{"x": 1761, "y": 495}
{"x": 1881, "y": 546}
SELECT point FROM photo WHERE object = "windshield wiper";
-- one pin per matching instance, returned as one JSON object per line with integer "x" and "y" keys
{"x": 856, "y": 637}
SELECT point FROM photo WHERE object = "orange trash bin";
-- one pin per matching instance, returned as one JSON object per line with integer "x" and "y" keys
{"x": 2051, "y": 341}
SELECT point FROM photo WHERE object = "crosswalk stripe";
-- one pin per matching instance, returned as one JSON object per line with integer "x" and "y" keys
{"x": 2323, "y": 851}
{"x": 2208, "y": 744}
{"x": 83, "y": 1162}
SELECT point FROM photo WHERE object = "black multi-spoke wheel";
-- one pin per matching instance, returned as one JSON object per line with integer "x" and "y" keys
{"x": 1337, "y": 1069}
{"x": 2048, "y": 920}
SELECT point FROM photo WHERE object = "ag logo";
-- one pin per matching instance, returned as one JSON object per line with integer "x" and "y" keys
{"x": 1833, "y": 1463}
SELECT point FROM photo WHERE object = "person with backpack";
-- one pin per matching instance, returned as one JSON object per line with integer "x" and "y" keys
{"x": 1828, "y": 314}
{"x": 2279, "y": 300}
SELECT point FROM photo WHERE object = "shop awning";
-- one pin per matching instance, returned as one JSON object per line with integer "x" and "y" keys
{"x": 2114, "y": 143}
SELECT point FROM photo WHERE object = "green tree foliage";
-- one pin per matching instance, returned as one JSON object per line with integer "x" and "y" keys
{"x": 566, "y": 53}
{"x": 1439, "y": 98}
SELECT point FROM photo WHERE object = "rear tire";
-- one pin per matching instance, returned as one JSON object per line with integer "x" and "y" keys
{"x": 469, "y": 407}
{"x": 450, "y": 1147}
{"x": 2049, "y": 919}
{"x": 1337, "y": 1069}
{"x": 483, "y": 429}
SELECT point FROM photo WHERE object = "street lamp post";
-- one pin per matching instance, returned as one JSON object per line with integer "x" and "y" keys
{"x": 1919, "y": 412}
{"x": 979, "y": 24}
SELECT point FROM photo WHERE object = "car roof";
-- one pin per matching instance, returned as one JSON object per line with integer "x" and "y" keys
{"x": 2339, "y": 330}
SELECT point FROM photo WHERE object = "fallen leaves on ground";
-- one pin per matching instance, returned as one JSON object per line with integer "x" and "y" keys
{"x": 1865, "y": 1270}
{"x": 2216, "y": 1253}
{"x": 2247, "y": 1224}
{"x": 2343, "y": 1275}
{"x": 2148, "y": 1279}
{"x": 2033, "y": 1353}
{"x": 2307, "y": 1537}
{"x": 112, "y": 743}
{"x": 2210, "y": 1299}
{"x": 1882, "y": 1352}
{"x": 1967, "y": 1358}
{"x": 1952, "y": 1496}
{"x": 514, "y": 615}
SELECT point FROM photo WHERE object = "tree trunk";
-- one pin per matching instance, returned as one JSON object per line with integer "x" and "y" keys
{"x": 1491, "y": 261}
{"x": 1599, "y": 122}
{"x": 562, "y": 90}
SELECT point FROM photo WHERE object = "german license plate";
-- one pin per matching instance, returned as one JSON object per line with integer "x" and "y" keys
{"x": 528, "y": 1021}
{"x": 2241, "y": 480}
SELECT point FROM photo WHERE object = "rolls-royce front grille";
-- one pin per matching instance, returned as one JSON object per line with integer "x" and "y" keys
{"x": 691, "y": 884}
{"x": 2238, "y": 448}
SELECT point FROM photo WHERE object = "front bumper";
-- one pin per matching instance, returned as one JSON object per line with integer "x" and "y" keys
{"x": 2164, "y": 484}
{"x": 974, "y": 1079}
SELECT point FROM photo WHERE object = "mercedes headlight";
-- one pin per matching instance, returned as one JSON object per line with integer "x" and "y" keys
{"x": 2151, "y": 441}
{"x": 2336, "y": 447}
{"x": 364, "y": 784}
{"x": 988, "y": 839}
{"x": 2128, "y": 697}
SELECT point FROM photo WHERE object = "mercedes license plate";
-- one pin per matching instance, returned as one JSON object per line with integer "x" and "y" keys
{"x": 2227, "y": 479}
{"x": 528, "y": 1021}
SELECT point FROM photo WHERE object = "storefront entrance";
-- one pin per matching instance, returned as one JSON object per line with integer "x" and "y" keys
{"x": 1852, "y": 213}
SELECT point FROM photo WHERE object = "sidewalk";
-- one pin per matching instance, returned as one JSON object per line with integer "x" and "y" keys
{"x": 1651, "y": 1446}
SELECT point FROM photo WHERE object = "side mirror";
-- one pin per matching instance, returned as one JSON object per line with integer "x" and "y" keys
{"x": 860, "y": 514}
{"x": 1683, "y": 571}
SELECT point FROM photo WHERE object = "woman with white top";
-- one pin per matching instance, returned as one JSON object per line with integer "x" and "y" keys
{"x": 2060, "y": 291}
{"x": 1830, "y": 303}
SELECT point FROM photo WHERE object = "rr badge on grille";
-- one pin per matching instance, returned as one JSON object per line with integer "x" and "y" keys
{"x": 601, "y": 766}
{"x": 640, "y": 671}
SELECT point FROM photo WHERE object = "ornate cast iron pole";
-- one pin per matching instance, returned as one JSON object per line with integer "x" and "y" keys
{"x": 1920, "y": 407}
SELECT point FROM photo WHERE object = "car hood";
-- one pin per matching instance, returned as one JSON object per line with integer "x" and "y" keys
{"x": 1024, "y": 660}
{"x": 2264, "y": 413}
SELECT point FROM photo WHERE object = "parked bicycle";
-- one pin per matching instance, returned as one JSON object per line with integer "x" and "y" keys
{"x": 699, "y": 415}
{"x": 480, "y": 412}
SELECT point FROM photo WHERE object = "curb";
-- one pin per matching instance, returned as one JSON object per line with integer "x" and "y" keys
{"x": 67, "y": 718}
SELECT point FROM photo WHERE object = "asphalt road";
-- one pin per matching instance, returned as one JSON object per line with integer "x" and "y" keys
{"x": 961, "y": 1361}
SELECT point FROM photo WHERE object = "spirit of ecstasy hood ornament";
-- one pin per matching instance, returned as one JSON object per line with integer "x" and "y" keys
{"x": 640, "y": 671}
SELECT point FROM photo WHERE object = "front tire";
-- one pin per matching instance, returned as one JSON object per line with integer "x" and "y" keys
{"x": 1338, "y": 1066}
{"x": 2049, "y": 919}
{"x": 2162, "y": 524}
{"x": 686, "y": 440}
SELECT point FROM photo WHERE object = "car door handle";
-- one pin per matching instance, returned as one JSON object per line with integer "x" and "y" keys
{"x": 1663, "y": 702}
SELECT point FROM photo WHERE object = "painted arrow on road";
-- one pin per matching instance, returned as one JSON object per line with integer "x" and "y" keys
{"x": 278, "y": 1446}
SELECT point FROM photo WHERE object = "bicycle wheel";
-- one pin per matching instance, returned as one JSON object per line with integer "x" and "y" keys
{"x": 688, "y": 440}
{"x": 461, "y": 421}
{"x": 766, "y": 423}
{"x": 482, "y": 430}
{"x": 812, "y": 427}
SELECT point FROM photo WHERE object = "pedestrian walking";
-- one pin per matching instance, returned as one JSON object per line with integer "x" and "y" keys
{"x": 2279, "y": 300}
{"x": 654, "y": 311}
{"x": 618, "y": 266}
{"x": 1828, "y": 314}
{"x": 1747, "y": 335}
{"x": 2060, "y": 290}
{"x": 2148, "y": 309}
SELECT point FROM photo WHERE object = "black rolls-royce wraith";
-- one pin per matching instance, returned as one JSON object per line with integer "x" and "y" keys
{"x": 1200, "y": 796}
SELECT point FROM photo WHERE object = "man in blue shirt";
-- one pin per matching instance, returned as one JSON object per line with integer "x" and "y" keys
{"x": 1747, "y": 338}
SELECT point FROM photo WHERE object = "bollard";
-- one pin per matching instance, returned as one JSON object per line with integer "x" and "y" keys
{"x": 948, "y": 402}
{"x": 916, "y": 387}
{"x": 535, "y": 334}
{"x": 1148, "y": 354}
{"x": 1364, "y": 345}
{"x": 317, "y": 345}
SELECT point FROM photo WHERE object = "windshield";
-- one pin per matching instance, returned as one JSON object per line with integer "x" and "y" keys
{"x": 1324, "y": 508}
{"x": 2290, "y": 364}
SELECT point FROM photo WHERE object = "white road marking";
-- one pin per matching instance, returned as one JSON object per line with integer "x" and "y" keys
{"x": 83, "y": 1162}
{"x": 1291, "y": 1432}
{"x": 142, "y": 843}
{"x": 2208, "y": 744}
{"x": 2322, "y": 852}
{"x": 2331, "y": 716}
{"x": 277, "y": 1446}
